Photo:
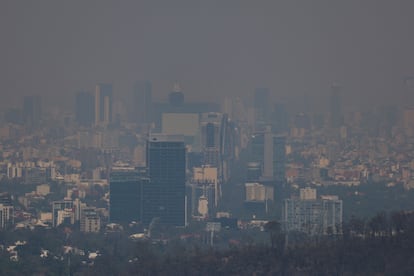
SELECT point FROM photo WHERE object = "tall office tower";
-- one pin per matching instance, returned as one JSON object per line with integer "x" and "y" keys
{"x": 165, "y": 195}
{"x": 84, "y": 108}
{"x": 261, "y": 106}
{"x": 280, "y": 119}
{"x": 32, "y": 112}
{"x": 211, "y": 130}
{"x": 279, "y": 159}
{"x": 142, "y": 102}
{"x": 268, "y": 155}
{"x": 335, "y": 107}
{"x": 103, "y": 104}
{"x": 126, "y": 187}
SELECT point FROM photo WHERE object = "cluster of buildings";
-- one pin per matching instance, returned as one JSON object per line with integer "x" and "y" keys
{"x": 142, "y": 160}
{"x": 312, "y": 215}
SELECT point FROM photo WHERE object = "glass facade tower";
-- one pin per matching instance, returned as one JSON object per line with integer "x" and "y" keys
{"x": 165, "y": 194}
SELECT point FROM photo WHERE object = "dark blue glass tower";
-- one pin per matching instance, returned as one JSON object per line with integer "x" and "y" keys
{"x": 165, "y": 195}
{"x": 126, "y": 196}
{"x": 85, "y": 108}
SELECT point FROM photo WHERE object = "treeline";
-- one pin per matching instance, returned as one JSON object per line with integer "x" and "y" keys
{"x": 381, "y": 245}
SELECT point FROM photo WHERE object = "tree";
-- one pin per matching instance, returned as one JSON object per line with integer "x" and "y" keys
{"x": 275, "y": 230}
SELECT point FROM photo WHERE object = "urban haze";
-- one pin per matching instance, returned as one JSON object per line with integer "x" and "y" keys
{"x": 206, "y": 137}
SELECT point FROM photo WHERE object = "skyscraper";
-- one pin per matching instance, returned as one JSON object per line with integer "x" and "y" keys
{"x": 165, "y": 195}
{"x": 211, "y": 130}
{"x": 268, "y": 151}
{"x": 32, "y": 111}
{"x": 142, "y": 103}
{"x": 103, "y": 104}
{"x": 279, "y": 159}
{"x": 280, "y": 118}
{"x": 261, "y": 103}
{"x": 84, "y": 108}
{"x": 6, "y": 211}
{"x": 335, "y": 107}
{"x": 126, "y": 195}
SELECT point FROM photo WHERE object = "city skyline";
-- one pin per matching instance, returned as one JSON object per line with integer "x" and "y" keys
{"x": 229, "y": 137}
{"x": 212, "y": 49}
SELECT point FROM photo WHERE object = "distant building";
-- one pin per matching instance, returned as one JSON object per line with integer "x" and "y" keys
{"x": 211, "y": 136}
{"x": 280, "y": 119}
{"x": 218, "y": 142}
{"x": 32, "y": 172}
{"x": 126, "y": 188}
{"x": 142, "y": 103}
{"x": 103, "y": 104}
{"x": 187, "y": 124}
{"x": 256, "y": 192}
{"x": 313, "y": 216}
{"x": 261, "y": 103}
{"x": 408, "y": 120}
{"x": 6, "y": 211}
{"x": 279, "y": 159}
{"x": 205, "y": 191}
{"x": 307, "y": 194}
{"x": 177, "y": 104}
{"x": 336, "y": 107}
{"x": 268, "y": 152}
{"x": 176, "y": 96}
{"x": 90, "y": 221}
{"x": 32, "y": 111}
{"x": 62, "y": 212}
{"x": 165, "y": 195}
{"x": 258, "y": 198}
{"x": 6, "y": 216}
{"x": 85, "y": 109}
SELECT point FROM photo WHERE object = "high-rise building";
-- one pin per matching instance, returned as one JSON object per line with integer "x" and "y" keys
{"x": 103, "y": 104}
{"x": 280, "y": 119}
{"x": 268, "y": 152}
{"x": 84, "y": 108}
{"x": 32, "y": 112}
{"x": 6, "y": 211}
{"x": 126, "y": 195}
{"x": 165, "y": 195}
{"x": 211, "y": 131}
{"x": 142, "y": 103}
{"x": 279, "y": 159}
{"x": 336, "y": 107}
{"x": 261, "y": 103}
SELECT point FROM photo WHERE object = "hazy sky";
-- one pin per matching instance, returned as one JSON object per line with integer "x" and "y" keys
{"x": 55, "y": 48}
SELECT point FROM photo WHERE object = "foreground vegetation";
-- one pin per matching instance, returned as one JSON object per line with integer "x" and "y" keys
{"x": 382, "y": 245}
